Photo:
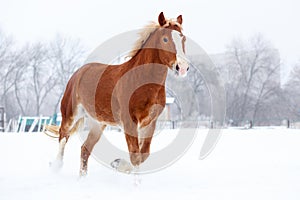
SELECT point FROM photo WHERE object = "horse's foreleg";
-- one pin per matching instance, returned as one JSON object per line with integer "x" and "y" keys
{"x": 133, "y": 148}
{"x": 87, "y": 147}
{"x": 145, "y": 150}
{"x": 146, "y": 134}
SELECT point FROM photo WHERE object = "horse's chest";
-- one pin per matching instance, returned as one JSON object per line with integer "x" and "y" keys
{"x": 148, "y": 95}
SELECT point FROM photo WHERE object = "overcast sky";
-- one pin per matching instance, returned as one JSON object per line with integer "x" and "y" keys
{"x": 211, "y": 23}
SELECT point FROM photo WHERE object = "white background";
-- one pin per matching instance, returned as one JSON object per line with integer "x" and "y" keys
{"x": 211, "y": 23}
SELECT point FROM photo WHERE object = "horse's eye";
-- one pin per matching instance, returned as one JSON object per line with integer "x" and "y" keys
{"x": 165, "y": 39}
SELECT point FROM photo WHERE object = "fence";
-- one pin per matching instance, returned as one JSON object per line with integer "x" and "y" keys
{"x": 36, "y": 124}
{"x": 183, "y": 124}
{"x": 28, "y": 124}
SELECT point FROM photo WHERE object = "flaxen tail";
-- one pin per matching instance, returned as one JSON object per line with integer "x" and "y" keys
{"x": 53, "y": 130}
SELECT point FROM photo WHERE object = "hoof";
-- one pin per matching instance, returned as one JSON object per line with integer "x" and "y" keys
{"x": 122, "y": 165}
{"x": 82, "y": 173}
{"x": 56, "y": 165}
{"x": 137, "y": 180}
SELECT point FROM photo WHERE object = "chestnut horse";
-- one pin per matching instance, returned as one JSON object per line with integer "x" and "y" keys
{"x": 104, "y": 93}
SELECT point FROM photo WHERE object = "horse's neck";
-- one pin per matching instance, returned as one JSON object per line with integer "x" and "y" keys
{"x": 149, "y": 57}
{"x": 146, "y": 56}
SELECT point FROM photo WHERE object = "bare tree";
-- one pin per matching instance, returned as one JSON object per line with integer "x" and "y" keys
{"x": 11, "y": 63}
{"x": 292, "y": 94}
{"x": 6, "y": 62}
{"x": 43, "y": 74}
{"x": 65, "y": 56}
{"x": 33, "y": 77}
{"x": 20, "y": 85}
{"x": 253, "y": 75}
{"x": 43, "y": 78}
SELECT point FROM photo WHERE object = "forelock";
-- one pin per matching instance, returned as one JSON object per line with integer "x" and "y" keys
{"x": 172, "y": 23}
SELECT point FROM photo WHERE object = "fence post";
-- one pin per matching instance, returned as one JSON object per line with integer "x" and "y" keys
{"x": 211, "y": 124}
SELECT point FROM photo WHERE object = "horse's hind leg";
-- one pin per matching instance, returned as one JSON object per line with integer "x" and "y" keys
{"x": 64, "y": 133}
{"x": 87, "y": 147}
{"x": 63, "y": 138}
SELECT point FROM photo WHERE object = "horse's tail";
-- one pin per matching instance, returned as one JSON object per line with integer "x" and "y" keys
{"x": 53, "y": 130}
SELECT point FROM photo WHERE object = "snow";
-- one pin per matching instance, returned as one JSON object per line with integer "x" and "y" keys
{"x": 261, "y": 163}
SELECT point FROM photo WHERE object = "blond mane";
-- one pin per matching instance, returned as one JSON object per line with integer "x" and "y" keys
{"x": 146, "y": 32}
{"x": 144, "y": 35}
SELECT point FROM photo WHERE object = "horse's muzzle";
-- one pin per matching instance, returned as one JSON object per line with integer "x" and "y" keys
{"x": 181, "y": 68}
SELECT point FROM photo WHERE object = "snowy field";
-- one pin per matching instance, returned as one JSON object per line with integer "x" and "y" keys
{"x": 252, "y": 164}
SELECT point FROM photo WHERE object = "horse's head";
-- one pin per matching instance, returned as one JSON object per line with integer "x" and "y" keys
{"x": 165, "y": 36}
{"x": 172, "y": 41}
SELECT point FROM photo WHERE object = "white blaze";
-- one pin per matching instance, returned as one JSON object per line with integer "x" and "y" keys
{"x": 180, "y": 56}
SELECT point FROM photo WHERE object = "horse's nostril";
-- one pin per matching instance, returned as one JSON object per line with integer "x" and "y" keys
{"x": 177, "y": 68}
{"x": 188, "y": 69}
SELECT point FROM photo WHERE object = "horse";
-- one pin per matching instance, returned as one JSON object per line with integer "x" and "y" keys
{"x": 130, "y": 95}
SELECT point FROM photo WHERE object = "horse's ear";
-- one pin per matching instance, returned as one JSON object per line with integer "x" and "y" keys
{"x": 161, "y": 19}
{"x": 179, "y": 19}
